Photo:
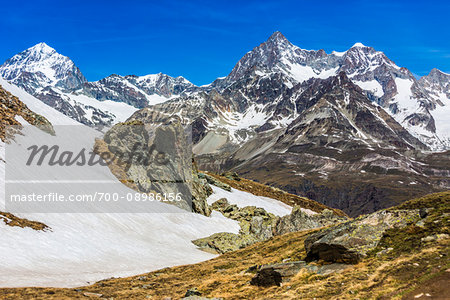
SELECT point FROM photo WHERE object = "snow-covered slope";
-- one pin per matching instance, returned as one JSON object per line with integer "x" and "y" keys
{"x": 87, "y": 245}
{"x": 84, "y": 248}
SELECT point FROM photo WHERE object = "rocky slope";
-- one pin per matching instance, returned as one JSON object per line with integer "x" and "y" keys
{"x": 14, "y": 113}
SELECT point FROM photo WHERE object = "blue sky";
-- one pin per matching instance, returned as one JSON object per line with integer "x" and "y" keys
{"x": 202, "y": 40}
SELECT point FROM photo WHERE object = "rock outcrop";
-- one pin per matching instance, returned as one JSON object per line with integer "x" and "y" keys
{"x": 157, "y": 160}
{"x": 258, "y": 225}
{"x": 214, "y": 181}
{"x": 349, "y": 242}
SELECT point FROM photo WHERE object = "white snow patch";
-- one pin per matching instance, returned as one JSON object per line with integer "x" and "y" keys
{"x": 85, "y": 247}
{"x": 372, "y": 86}
{"x": 242, "y": 199}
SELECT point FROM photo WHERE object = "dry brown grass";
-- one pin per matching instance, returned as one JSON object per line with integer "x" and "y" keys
{"x": 410, "y": 269}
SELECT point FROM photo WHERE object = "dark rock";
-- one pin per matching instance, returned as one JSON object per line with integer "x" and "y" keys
{"x": 423, "y": 213}
{"x": 192, "y": 292}
{"x": 267, "y": 277}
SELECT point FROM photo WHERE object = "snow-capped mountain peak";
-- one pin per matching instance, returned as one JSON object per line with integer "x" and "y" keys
{"x": 40, "y": 66}
{"x": 277, "y": 54}
{"x": 43, "y": 48}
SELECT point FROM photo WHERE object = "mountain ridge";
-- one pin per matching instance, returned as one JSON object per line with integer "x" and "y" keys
{"x": 419, "y": 106}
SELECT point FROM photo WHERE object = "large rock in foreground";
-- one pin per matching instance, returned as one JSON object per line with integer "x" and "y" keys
{"x": 350, "y": 241}
{"x": 156, "y": 160}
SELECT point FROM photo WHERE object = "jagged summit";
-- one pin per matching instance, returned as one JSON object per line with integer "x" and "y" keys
{"x": 41, "y": 66}
{"x": 43, "y": 48}
{"x": 277, "y": 36}
{"x": 277, "y": 54}
{"x": 437, "y": 72}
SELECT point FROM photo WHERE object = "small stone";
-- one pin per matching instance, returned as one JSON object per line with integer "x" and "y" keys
{"x": 423, "y": 213}
{"x": 89, "y": 294}
{"x": 442, "y": 236}
{"x": 192, "y": 292}
{"x": 429, "y": 238}
{"x": 415, "y": 264}
{"x": 327, "y": 213}
{"x": 419, "y": 295}
{"x": 384, "y": 252}
{"x": 142, "y": 278}
{"x": 421, "y": 223}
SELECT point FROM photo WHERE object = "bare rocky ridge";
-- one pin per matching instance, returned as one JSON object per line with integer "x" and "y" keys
{"x": 138, "y": 90}
{"x": 417, "y": 105}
